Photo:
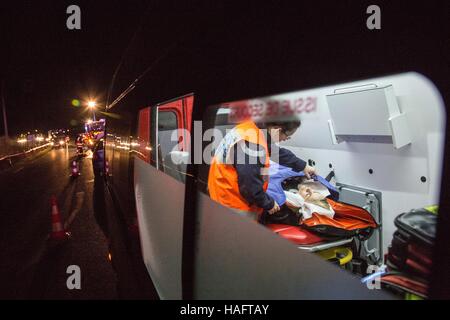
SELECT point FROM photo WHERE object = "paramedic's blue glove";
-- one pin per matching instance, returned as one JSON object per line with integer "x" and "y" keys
{"x": 309, "y": 172}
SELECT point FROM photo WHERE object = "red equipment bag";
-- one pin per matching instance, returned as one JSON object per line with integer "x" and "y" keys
{"x": 348, "y": 221}
{"x": 411, "y": 248}
{"x": 402, "y": 283}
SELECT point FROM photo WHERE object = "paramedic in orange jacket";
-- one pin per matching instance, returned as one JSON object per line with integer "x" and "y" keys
{"x": 238, "y": 174}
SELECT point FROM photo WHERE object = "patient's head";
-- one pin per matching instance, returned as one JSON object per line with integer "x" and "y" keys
{"x": 314, "y": 192}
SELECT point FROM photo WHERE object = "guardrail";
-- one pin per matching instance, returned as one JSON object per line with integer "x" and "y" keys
{"x": 7, "y": 161}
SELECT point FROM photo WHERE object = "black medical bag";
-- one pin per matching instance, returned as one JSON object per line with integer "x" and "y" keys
{"x": 411, "y": 248}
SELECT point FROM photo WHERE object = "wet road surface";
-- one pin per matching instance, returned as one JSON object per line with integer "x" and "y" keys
{"x": 32, "y": 267}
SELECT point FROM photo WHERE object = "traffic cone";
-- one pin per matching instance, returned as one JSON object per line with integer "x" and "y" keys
{"x": 58, "y": 232}
{"x": 75, "y": 171}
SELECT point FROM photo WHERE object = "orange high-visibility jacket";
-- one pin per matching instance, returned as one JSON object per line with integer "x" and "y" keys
{"x": 223, "y": 180}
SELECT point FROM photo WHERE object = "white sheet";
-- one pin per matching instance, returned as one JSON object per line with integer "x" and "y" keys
{"x": 306, "y": 208}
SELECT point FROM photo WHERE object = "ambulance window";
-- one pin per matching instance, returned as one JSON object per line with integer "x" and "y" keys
{"x": 167, "y": 123}
{"x": 167, "y": 120}
{"x": 363, "y": 140}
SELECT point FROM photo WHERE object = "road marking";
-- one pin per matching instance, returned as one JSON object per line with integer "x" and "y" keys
{"x": 78, "y": 205}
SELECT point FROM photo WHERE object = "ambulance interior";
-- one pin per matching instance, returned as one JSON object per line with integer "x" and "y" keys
{"x": 378, "y": 141}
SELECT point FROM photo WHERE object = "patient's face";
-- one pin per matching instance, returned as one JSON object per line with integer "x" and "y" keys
{"x": 309, "y": 194}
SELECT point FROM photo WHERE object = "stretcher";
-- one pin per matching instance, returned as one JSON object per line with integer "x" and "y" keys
{"x": 336, "y": 251}
{"x": 328, "y": 237}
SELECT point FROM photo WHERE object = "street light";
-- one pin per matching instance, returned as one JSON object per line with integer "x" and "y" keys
{"x": 91, "y": 105}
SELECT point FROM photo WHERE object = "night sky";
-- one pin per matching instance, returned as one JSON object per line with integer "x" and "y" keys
{"x": 45, "y": 65}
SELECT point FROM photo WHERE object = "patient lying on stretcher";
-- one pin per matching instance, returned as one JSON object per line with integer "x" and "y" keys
{"x": 302, "y": 199}
{"x": 314, "y": 205}
{"x": 309, "y": 198}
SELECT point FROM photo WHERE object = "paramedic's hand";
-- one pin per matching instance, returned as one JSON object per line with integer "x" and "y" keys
{"x": 275, "y": 208}
{"x": 309, "y": 171}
